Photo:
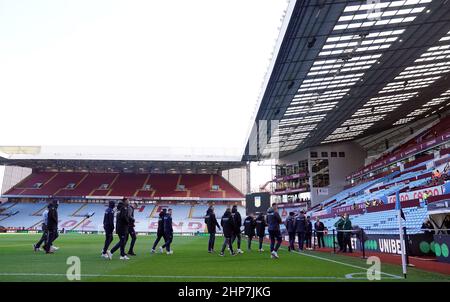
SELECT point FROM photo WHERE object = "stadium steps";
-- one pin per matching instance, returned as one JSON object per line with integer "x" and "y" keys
{"x": 3, "y": 218}
{"x": 79, "y": 209}
{"x": 81, "y": 180}
{"x": 152, "y": 213}
{"x": 79, "y": 223}
{"x": 141, "y": 189}
{"x": 39, "y": 212}
{"x": 191, "y": 211}
{"x": 37, "y": 223}
{"x": 12, "y": 204}
{"x": 76, "y": 185}
{"x": 50, "y": 179}
{"x": 112, "y": 183}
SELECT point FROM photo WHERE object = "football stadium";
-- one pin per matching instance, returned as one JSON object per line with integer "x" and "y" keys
{"x": 343, "y": 176}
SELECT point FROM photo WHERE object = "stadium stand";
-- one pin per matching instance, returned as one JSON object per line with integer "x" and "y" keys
{"x": 83, "y": 198}
{"x": 187, "y": 217}
{"x": 370, "y": 200}
{"x": 145, "y": 186}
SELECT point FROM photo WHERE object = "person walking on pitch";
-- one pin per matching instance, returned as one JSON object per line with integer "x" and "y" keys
{"x": 122, "y": 224}
{"x": 168, "y": 231}
{"x": 131, "y": 230}
{"x": 211, "y": 224}
{"x": 52, "y": 226}
{"x": 249, "y": 230}
{"x": 237, "y": 222}
{"x": 37, "y": 246}
{"x": 260, "y": 230}
{"x": 108, "y": 226}
{"x": 228, "y": 228}
{"x": 160, "y": 231}
{"x": 273, "y": 222}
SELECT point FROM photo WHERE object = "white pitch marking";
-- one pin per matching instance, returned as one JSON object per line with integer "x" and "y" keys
{"x": 176, "y": 277}
{"x": 346, "y": 264}
{"x": 342, "y": 263}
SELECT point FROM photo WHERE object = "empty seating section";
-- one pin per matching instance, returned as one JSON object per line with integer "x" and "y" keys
{"x": 55, "y": 184}
{"x": 128, "y": 184}
{"x": 79, "y": 184}
{"x": 89, "y": 216}
{"x": 165, "y": 184}
{"x": 89, "y": 184}
{"x": 29, "y": 184}
{"x": 199, "y": 185}
{"x": 31, "y": 180}
{"x": 385, "y": 222}
{"x": 224, "y": 185}
{"x": 22, "y": 215}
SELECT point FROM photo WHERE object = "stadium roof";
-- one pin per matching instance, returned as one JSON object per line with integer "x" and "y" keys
{"x": 137, "y": 159}
{"x": 347, "y": 69}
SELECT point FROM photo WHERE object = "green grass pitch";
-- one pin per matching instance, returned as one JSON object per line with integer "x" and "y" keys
{"x": 190, "y": 262}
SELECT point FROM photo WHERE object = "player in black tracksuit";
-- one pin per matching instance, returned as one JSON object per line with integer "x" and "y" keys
{"x": 211, "y": 224}
{"x": 319, "y": 228}
{"x": 300, "y": 229}
{"x": 237, "y": 222}
{"x": 168, "y": 231}
{"x": 249, "y": 230}
{"x": 309, "y": 231}
{"x": 290, "y": 228}
{"x": 122, "y": 224}
{"x": 273, "y": 223}
{"x": 108, "y": 226}
{"x": 228, "y": 230}
{"x": 160, "y": 231}
{"x": 131, "y": 230}
{"x": 52, "y": 227}
{"x": 260, "y": 229}
{"x": 43, "y": 239}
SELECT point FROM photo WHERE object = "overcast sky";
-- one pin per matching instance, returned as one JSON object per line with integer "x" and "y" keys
{"x": 133, "y": 73}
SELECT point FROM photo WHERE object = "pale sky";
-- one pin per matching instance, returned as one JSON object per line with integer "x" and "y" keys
{"x": 133, "y": 73}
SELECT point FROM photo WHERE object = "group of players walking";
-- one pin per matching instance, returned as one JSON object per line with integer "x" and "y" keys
{"x": 125, "y": 228}
{"x": 231, "y": 223}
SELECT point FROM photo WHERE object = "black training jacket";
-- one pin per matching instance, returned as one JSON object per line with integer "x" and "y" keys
{"x": 108, "y": 220}
{"x": 227, "y": 225}
{"x": 260, "y": 226}
{"x": 211, "y": 222}
{"x": 122, "y": 219}
{"x": 52, "y": 219}
{"x": 249, "y": 226}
